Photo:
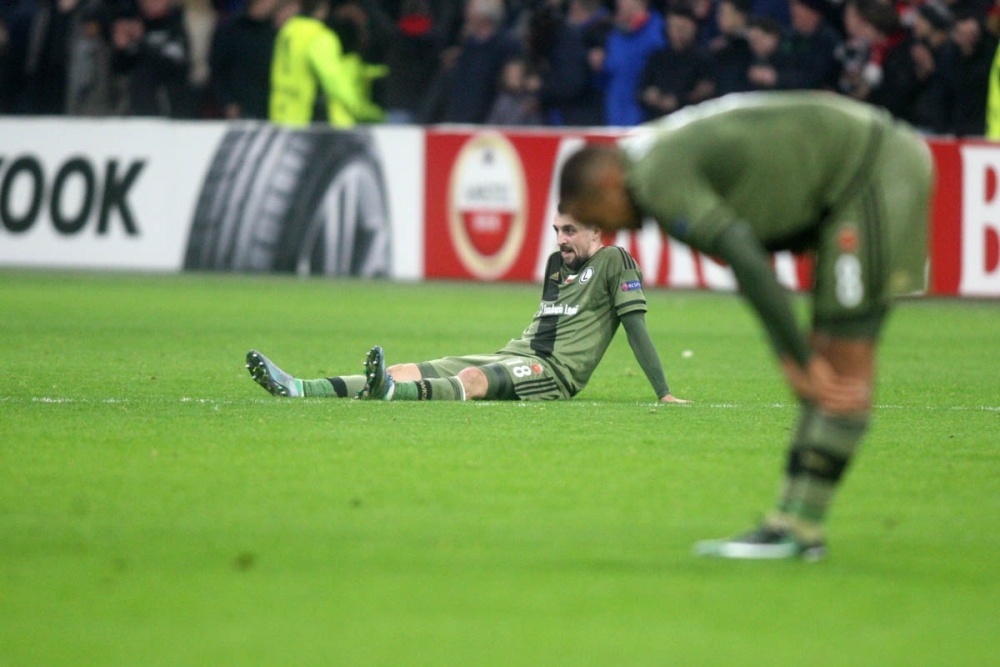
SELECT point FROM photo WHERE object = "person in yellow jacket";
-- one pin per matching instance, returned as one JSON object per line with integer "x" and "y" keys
{"x": 993, "y": 100}
{"x": 308, "y": 58}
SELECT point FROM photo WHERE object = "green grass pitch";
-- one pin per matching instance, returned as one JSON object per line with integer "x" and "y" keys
{"x": 158, "y": 508}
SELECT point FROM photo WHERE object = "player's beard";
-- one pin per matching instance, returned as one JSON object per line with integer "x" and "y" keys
{"x": 576, "y": 262}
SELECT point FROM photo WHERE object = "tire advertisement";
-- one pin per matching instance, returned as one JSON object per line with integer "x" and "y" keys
{"x": 293, "y": 202}
{"x": 211, "y": 196}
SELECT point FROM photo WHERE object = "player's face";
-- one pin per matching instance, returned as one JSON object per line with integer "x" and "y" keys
{"x": 577, "y": 243}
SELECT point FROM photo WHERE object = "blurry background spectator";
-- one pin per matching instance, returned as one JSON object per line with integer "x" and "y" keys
{"x": 199, "y": 23}
{"x": 560, "y": 72}
{"x": 359, "y": 69}
{"x": 470, "y": 71}
{"x": 812, "y": 44}
{"x": 976, "y": 49}
{"x": 679, "y": 74}
{"x": 872, "y": 45}
{"x": 67, "y": 63}
{"x": 15, "y": 26}
{"x": 593, "y": 22}
{"x": 933, "y": 59}
{"x": 241, "y": 60}
{"x": 638, "y": 32}
{"x": 151, "y": 54}
{"x": 517, "y": 102}
{"x": 730, "y": 50}
{"x": 413, "y": 57}
{"x": 771, "y": 62}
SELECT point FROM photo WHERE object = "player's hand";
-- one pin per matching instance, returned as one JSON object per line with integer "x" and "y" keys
{"x": 819, "y": 383}
{"x": 673, "y": 399}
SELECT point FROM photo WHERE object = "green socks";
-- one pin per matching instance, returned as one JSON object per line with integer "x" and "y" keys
{"x": 348, "y": 386}
{"x": 430, "y": 389}
{"x": 821, "y": 450}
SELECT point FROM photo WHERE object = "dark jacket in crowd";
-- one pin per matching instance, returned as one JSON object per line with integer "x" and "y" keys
{"x": 568, "y": 95}
{"x": 413, "y": 57}
{"x": 971, "y": 82}
{"x": 731, "y": 64}
{"x": 157, "y": 70}
{"x": 471, "y": 85}
{"x": 241, "y": 64}
{"x": 814, "y": 64}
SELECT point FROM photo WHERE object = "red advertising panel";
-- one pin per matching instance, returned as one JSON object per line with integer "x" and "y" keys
{"x": 491, "y": 195}
{"x": 965, "y": 229}
{"x": 487, "y": 195}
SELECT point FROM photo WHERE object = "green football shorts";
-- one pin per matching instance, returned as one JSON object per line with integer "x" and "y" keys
{"x": 873, "y": 244}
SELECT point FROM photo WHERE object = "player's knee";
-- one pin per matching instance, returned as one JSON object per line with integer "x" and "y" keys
{"x": 405, "y": 372}
{"x": 474, "y": 381}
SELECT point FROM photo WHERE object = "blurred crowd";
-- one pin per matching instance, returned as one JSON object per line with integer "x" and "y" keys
{"x": 509, "y": 62}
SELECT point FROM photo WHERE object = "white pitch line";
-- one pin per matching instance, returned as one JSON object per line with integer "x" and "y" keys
{"x": 62, "y": 400}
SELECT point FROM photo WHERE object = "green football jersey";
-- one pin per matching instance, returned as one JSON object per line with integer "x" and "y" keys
{"x": 779, "y": 161}
{"x": 580, "y": 313}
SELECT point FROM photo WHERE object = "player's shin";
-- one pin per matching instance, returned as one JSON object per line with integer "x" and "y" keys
{"x": 430, "y": 389}
{"x": 344, "y": 386}
{"x": 821, "y": 450}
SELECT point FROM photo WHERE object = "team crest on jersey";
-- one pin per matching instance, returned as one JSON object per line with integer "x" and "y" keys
{"x": 587, "y": 274}
{"x": 536, "y": 369}
{"x": 631, "y": 285}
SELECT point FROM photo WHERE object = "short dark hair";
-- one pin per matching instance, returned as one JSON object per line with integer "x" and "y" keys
{"x": 577, "y": 175}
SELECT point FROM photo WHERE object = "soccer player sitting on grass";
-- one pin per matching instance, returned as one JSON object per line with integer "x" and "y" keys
{"x": 748, "y": 174}
{"x": 589, "y": 289}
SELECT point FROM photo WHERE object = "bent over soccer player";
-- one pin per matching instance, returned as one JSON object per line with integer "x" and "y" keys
{"x": 589, "y": 289}
{"x": 748, "y": 174}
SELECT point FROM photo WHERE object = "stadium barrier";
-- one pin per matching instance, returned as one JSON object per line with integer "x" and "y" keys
{"x": 406, "y": 203}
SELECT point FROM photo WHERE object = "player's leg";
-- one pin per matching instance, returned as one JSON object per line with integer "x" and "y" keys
{"x": 825, "y": 442}
{"x": 494, "y": 377}
{"x": 447, "y": 379}
{"x": 279, "y": 383}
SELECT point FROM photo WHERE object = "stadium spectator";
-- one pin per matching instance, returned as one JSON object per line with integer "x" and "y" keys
{"x": 68, "y": 60}
{"x": 637, "y": 33}
{"x": 730, "y": 51}
{"x": 704, "y": 13}
{"x": 151, "y": 53}
{"x": 770, "y": 60}
{"x": 872, "y": 47}
{"x": 679, "y": 74}
{"x": 588, "y": 291}
{"x": 15, "y": 28}
{"x": 977, "y": 48}
{"x": 993, "y": 99}
{"x": 735, "y": 181}
{"x": 593, "y": 22}
{"x": 812, "y": 45}
{"x": 352, "y": 24}
{"x": 470, "y": 70}
{"x": 241, "y": 60}
{"x": 308, "y": 57}
{"x": 926, "y": 88}
{"x": 200, "y": 22}
{"x": 413, "y": 56}
{"x": 561, "y": 76}
{"x": 517, "y": 102}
